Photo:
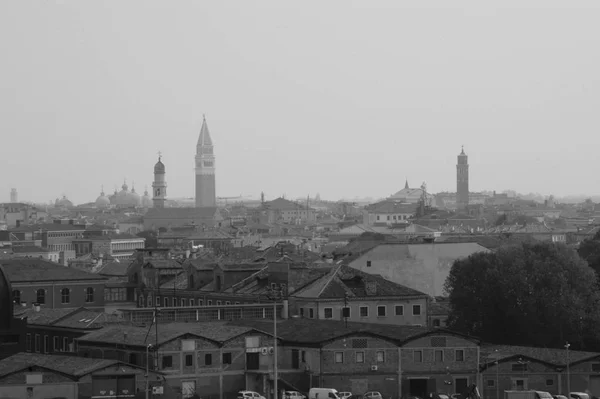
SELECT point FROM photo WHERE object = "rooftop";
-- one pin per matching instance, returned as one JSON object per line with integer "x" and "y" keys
{"x": 73, "y": 366}
{"x": 28, "y": 270}
{"x": 218, "y": 332}
{"x": 490, "y": 353}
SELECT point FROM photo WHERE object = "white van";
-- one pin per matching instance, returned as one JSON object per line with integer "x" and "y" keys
{"x": 323, "y": 393}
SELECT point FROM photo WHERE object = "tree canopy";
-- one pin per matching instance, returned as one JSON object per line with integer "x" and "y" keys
{"x": 540, "y": 294}
{"x": 589, "y": 251}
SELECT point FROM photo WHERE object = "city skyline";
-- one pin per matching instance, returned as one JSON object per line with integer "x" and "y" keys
{"x": 347, "y": 110}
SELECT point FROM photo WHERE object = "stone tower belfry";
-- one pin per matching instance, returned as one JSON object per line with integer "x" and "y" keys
{"x": 159, "y": 187}
{"x": 462, "y": 181}
{"x": 205, "y": 169}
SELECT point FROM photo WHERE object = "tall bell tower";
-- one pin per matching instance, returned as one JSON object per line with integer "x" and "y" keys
{"x": 205, "y": 169}
{"x": 462, "y": 181}
{"x": 159, "y": 187}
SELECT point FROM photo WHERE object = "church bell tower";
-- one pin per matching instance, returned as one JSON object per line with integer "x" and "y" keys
{"x": 205, "y": 169}
{"x": 462, "y": 181}
{"x": 159, "y": 187}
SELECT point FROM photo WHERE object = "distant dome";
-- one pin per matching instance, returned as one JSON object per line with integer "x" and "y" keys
{"x": 64, "y": 202}
{"x": 126, "y": 198}
{"x": 113, "y": 198}
{"x": 146, "y": 200}
{"x": 102, "y": 201}
{"x": 159, "y": 168}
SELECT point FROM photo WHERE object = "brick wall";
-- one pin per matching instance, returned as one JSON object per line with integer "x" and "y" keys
{"x": 47, "y": 378}
{"x": 53, "y": 297}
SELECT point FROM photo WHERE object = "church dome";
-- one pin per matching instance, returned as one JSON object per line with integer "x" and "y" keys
{"x": 146, "y": 200}
{"x": 126, "y": 198}
{"x": 64, "y": 202}
{"x": 134, "y": 198}
{"x": 159, "y": 168}
{"x": 113, "y": 198}
{"x": 102, "y": 201}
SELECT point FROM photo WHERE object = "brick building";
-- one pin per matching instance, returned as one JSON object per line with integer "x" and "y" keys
{"x": 37, "y": 281}
{"x": 27, "y": 375}
{"x": 367, "y": 298}
{"x": 211, "y": 358}
{"x": 118, "y": 246}
{"x": 557, "y": 371}
{"x": 12, "y": 330}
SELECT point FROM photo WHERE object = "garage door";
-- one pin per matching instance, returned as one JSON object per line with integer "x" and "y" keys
{"x": 595, "y": 385}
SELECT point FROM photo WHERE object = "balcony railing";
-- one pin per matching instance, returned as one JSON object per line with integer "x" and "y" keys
{"x": 203, "y": 313}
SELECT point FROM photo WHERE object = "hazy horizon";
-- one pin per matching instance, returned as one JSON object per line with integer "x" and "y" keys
{"x": 342, "y": 98}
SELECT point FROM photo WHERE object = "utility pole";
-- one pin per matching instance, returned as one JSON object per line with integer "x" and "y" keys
{"x": 567, "y": 346}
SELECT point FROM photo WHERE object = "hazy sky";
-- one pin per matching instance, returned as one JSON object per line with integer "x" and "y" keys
{"x": 342, "y": 98}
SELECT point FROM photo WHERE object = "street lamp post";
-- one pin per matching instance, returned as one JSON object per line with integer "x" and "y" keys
{"x": 275, "y": 294}
{"x": 148, "y": 371}
{"x": 497, "y": 379}
{"x": 567, "y": 345}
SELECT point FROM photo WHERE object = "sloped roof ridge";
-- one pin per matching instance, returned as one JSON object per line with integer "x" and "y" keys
{"x": 333, "y": 274}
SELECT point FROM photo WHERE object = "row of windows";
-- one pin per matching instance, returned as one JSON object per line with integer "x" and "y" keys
{"x": 359, "y": 357}
{"x": 438, "y": 356}
{"x": 395, "y": 217}
{"x": 363, "y": 311}
{"x": 59, "y": 344}
{"x": 67, "y": 234}
{"x": 65, "y": 296}
{"x": 179, "y": 302}
{"x": 167, "y": 361}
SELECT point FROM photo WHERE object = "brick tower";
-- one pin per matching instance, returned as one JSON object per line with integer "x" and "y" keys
{"x": 205, "y": 170}
{"x": 462, "y": 181}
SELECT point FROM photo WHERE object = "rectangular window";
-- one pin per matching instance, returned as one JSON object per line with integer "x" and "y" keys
{"x": 459, "y": 355}
{"x": 38, "y": 343}
{"x": 364, "y": 311}
{"x": 311, "y": 313}
{"x": 491, "y": 383}
{"x": 218, "y": 303}
{"x": 188, "y": 345}
{"x": 166, "y": 302}
{"x": 209, "y": 303}
{"x": 360, "y": 343}
{"x": 380, "y": 357}
{"x": 416, "y": 310}
{"x": 167, "y": 362}
{"x": 302, "y": 312}
{"x": 158, "y": 301}
{"x": 360, "y": 357}
{"x": 28, "y": 342}
{"x": 200, "y": 302}
{"x": 549, "y": 382}
{"x": 192, "y": 302}
{"x": 418, "y": 356}
{"x": 439, "y": 356}
{"x": 328, "y": 313}
{"x": 381, "y": 311}
{"x": 56, "y": 344}
{"x": 66, "y": 344}
{"x": 208, "y": 359}
{"x": 227, "y": 358}
{"x": 189, "y": 360}
{"x": 519, "y": 367}
{"x": 227, "y": 303}
{"x": 339, "y": 357}
{"x": 399, "y": 310}
{"x": 368, "y": 263}
{"x": 150, "y": 301}
{"x": 346, "y": 312}
{"x": 252, "y": 342}
{"x": 596, "y": 367}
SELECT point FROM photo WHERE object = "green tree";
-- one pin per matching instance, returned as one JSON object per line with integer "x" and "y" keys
{"x": 589, "y": 251}
{"x": 538, "y": 294}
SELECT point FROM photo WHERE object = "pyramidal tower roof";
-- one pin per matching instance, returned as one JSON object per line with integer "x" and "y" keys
{"x": 204, "y": 138}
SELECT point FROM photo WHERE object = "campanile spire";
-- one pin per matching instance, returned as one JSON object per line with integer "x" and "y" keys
{"x": 205, "y": 169}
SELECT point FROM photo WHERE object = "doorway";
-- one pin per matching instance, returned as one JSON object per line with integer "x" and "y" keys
{"x": 461, "y": 385}
{"x": 418, "y": 387}
{"x": 252, "y": 360}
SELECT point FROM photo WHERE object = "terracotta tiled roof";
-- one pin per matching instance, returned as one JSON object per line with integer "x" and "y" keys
{"x": 81, "y": 318}
{"x": 314, "y": 332}
{"x": 28, "y": 249}
{"x": 181, "y": 213}
{"x": 180, "y": 282}
{"x": 344, "y": 279}
{"x": 391, "y": 207}
{"x": 26, "y": 270}
{"x": 74, "y": 366}
{"x": 216, "y": 331}
{"x": 490, "y": 353}
{"x": 113, "y": 269}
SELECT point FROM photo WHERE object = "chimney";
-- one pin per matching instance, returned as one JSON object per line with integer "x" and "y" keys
{"x": 187, "y": 253}
{"x": 371, "y": 288}
{"x": 125, "y": 336}
{"x": 36, "y": 307}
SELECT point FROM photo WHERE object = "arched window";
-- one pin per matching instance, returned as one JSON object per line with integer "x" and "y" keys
{"x": 16, "y": 296}
{"x": 141, "y": 301}
{"x": 149, "y": 300}
{"x": 65, "y": 295}
{"x": 89, "y": 294}
{"x": 40, "y": 296}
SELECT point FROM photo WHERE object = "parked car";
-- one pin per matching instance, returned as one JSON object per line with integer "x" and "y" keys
{"x": 355, "y": 397}
{"x": 249, "y": 395}
{"x": 373, "y": 395}
{"x": 560, "y": 397}
{"x": 344, "y": 395}
{"x": 293, "y": 395}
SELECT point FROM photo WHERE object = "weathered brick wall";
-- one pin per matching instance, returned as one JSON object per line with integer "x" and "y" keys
{"x": 386, "y": 384}
{"x": 349, "y": 350}
{"x": 449, "y": 363}
{"x": 47, "y": 378}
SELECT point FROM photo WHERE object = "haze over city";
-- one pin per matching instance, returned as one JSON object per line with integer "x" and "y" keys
{"x": 313, "y": 97}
